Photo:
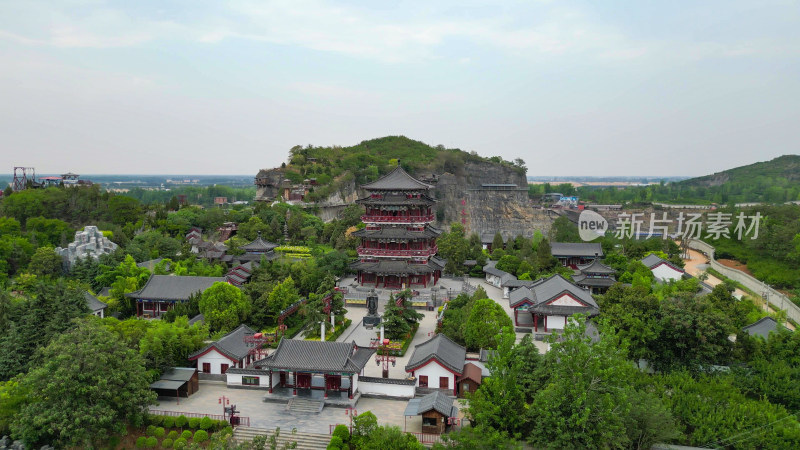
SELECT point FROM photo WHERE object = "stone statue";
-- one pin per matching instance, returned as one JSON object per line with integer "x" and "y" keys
{"x": 372, "y": 318}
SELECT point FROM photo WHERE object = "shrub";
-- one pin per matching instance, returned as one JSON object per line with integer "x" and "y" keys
{"x": 181, "y": 421}
{"x": 141, "y": 441}
{"x": 155, "y": 419}
{"x": 166, "y": 443}
{"x": 220, "y": 424}
{"x": 151, "y": 429}
{"x": 206, "y": 423}
{"x": 342, "y": 432}
{"x": 200, "y": 436}
{"x": 179, "y": 444}
{"x": 173, "y": 435}
{"x": 194, "y": 423}
{"x": 186, "y": 435}
{"x": 113, "y": 441}
{"x": 335, "y": 443}
{"x": 169, "y": 422}
{"x": 159, "y": 433}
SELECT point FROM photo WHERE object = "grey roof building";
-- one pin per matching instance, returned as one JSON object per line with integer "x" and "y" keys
{"x": 97, "y": 307}
{"x": 440, "y": 348}
{"x": 396, "y": 180}
{"x": 316, "y": 356}
{"x": 763, "y": 327}
{"x": 258, "y": 246}
{"x": 595, "y": 277}
{"x": 576, "y": 250}
{"x": 232, "y": 345}
{"x": 554, "y": 296}
{"x": 161, "y": 292}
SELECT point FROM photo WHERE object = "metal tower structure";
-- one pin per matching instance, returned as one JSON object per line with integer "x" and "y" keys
{"x": 21, "y": 177}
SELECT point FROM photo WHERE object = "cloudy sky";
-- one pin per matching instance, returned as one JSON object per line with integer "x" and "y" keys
{"x": 573, "y": 88}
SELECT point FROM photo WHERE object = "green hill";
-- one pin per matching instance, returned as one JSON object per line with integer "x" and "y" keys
{"x": 335, "y": 166}
{"x": 785, "y": 168}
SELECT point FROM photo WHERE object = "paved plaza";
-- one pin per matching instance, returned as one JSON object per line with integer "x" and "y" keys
{"x": 271, "y": 415}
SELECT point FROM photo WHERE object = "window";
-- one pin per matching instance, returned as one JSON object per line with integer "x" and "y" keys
{"x": 444, "y": 382}
{"x": 423, "y": 381}
{"x": 206, "y": 367}
{"x": 250, "y": 381}
{"x": 223, "y": 368}
{"x": 429, "y": 421}
{"x": 464, "y": 387}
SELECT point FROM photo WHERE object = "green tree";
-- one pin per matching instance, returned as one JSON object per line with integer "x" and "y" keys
{"x": 485, "y": 321}
{"x": 45, "y": 262}
{"x": 224, "y": 307}
{"x": 454, "y": 248}
{"x": 585, "y": 399}
{"x": 88, "y": 386}
{"x": 283, "y": 295}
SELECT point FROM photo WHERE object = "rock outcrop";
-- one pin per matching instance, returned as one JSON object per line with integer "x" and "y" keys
{"x": 89, "y": 243}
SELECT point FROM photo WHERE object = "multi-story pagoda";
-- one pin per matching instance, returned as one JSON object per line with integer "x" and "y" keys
{"x": 398, "y": 243}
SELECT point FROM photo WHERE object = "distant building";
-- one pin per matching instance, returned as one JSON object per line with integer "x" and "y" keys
{"x": 763, "y": 327}
{"x": 595, "y": 277}
{"x": 229, "y": 351}
{"x": 662, "y": 269}
{"x": 97, "y": 307}
{"x": 573, "y": 254}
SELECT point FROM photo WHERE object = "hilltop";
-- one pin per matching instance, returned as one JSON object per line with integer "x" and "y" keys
{"x": 336, "y": 167}
{"x": 782, "y": 169}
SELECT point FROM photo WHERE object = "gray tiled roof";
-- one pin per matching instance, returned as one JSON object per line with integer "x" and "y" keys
{"x": 763, "y": 327}
{"x": 93, "y": 303}
{"x": 258, "y": 245}
{"x": 438, "y": 401}
{"x": 507, "y": 278}
{"x": 494, "y": 271}
{"x": 444, "y": 350}
{"x": 395, "y": 267}
{"x": 396, "y": 232}
{"x": 519, "y": 283}
{"x": 549, "y": 289}
{"x": 170, "y": 287}
{"x": 580, "y": 249}
{"x": 596, "y": 267}
{"x": 583, "y": 280}
{"x": 398, "y": 179}
{"x": 317, "y": 356}
{"x": 197, "y": 319}
{"x": 653, "y": 260}
{"x": 231, "y": 345}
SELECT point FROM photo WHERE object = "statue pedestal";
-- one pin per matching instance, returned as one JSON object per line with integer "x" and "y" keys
{"x": 371, "y": 321}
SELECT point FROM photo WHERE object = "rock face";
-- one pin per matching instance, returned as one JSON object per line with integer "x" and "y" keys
{"x": 89, "y": 243}
{"x": 486, "y": 210}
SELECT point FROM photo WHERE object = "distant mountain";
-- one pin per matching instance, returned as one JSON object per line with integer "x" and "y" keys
{"x": 781, "y": 170}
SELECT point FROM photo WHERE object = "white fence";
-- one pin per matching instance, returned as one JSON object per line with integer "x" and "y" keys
{"x": 776, "y": 299}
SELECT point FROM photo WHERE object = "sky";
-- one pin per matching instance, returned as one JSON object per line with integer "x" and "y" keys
{"x": 603, "y": 88}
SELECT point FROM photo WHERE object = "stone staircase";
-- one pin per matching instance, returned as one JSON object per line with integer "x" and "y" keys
{"x": 303, "y": 406}
{"x": 305, "y": 441}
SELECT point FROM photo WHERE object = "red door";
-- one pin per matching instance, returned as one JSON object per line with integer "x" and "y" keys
{"x": 333, "y": 382}
{"x": 223, "y": 368}
{"x": 444, "y": 383}
{"x": 423, "y": 381}
{"x": 206, "y": 367}
{"x": 304, "y": 380}
{"x": 283, "y": 379}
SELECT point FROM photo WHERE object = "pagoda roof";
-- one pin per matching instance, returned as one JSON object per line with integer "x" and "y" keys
{"x": 317, "y": 356}
{"x": 583, "y": 280}
{"x": 396, "y": 180}
{"x": 396, "y": 267}
{"x": 397, "y": 199}
{"x": 258, "y": 245}
{"x": 173, "y": 288}
{"x": 596, "y": 267}
{"x": 390, "y": 232}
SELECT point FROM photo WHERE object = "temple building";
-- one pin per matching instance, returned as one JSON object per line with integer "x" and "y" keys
{"x": 595, "y": 277}
{"x": 398, "y": 243}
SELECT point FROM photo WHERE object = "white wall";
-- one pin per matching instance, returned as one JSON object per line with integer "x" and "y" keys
{"x": 433, "y": 370}
{"x": 355, "y": 383}
{"x": 664, "y": 272}
{"x": 556, "y": 322}
{"x": 387, "y": 389}
{"x": 236, "y": 380}
{"x": 216, "y": 360}
{"x": 506, "y": 291}
{"x": 565, "y": 300}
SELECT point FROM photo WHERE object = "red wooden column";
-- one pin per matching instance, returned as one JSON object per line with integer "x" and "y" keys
{"x": 270, "y": 381}
{"x": 535, "y": 323}
{"x": 325, "y": 384}
{"x": 294, "y": 383}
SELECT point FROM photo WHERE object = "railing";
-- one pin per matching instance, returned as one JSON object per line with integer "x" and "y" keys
{"x": 423, "y": 438}
{"x": 397, "y": 219}
{"x": 243, "y": 421}
{"x": 395, "y": 252}
{"x": 776, "y": 299}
